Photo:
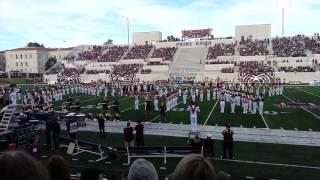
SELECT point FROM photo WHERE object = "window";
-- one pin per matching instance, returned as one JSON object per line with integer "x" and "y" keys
{"x": 16, "y": 56}
{"x": 17, "y": 64}
{"x": 26, "y": 63}
{"x": 21, "y": 56}
{"x": 21, "y": 63}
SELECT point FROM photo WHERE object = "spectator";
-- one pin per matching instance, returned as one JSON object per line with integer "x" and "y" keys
{"x": 100, "y": 118}
{"x": 221, "y": 50}
{"x": 139, "y": 52}
{"x": 58, "y": 168}
{"x": 92, "y": 174}
{"x": 164, "y": 53}
{"x": 139, "y": 134}
{"x": 142, "y": 169}
{"x": 227, "y": 142}
{"x": 17, "y": 165}
{"x": 208, "y": 146}
{"x": 194, "y": 167}
{"x": 128, "y": 135}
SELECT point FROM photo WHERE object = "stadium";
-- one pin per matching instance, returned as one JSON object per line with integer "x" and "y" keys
{"x": 187, "y": 106}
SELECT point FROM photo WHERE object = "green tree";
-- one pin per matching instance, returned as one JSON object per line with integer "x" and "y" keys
{"x": 51, "y": 61}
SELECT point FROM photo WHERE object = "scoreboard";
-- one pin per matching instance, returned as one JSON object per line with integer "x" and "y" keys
{"x": 196, "y": 33}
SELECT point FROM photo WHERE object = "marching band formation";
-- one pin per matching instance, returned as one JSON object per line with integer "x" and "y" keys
{"x": 248, "y": 96}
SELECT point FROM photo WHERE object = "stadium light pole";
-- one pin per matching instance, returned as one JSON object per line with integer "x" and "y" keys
{"x": 283, "y": 4}
{"x": 126, "y": 15}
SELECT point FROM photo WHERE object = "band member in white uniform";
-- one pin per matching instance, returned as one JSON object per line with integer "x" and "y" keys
{"x": 136, "y": 103}
{"x": 179, "y": 91}
{"x": 201, "y": 95}
{"x": 155, "y": 103}
{"x": 193, "y": 109}
{"x": 222, "y": 102}
{"x": 208, "y": 94}
{"x": 185, "y": 97}
{"x": 193, "y": 97}
{"x": 13, "y": 97}
{"x": 254, "y": 105}
{"x": 214, "y": 94}
{"x": 232, "y": 103}
{"x": 245, "y": 104}
{"x": 261, "y": 99}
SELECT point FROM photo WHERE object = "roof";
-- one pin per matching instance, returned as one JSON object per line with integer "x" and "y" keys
{"x": 40, "y": 49}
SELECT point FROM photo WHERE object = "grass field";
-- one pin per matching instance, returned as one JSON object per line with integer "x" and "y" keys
{"x": 274, "y": 118}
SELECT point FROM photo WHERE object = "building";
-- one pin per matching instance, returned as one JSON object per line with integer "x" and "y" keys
{"x": 258, "y": 31}
{"x": 32, "y": 59}
{"x": 140, "y": 38}
{"x": 2, "y": 61}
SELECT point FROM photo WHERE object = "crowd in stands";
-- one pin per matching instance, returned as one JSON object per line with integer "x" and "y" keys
{"x": 164, "y": 53}
{"x": 113, "y": 54}
{"x": 297, "y": 69}
{"x": 254, "y": 67}
{"x": 249, "y": 47}
{"x": 125, "y": 69}
{"x": 139, "y": 52}
{"x": 227, "y": 70}
{"x": 92, "y": 53}
{"x": 313, "y": 43}
{"x": 145, "y": 71}
{"x": 289, "y": 46}
{"x": 221, "y": 50}
{"x": 98, "y": 71}
{"x": 72, "y": 71}
{"x": 220, "y": 62}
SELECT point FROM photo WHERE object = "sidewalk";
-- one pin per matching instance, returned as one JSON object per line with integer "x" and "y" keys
{"x": 275, "y": 136}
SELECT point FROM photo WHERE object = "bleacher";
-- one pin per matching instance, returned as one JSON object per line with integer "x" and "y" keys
{"x": 138, "y": 52}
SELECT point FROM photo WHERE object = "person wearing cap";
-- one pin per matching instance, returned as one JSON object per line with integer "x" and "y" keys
{"x": 208, "y": 145}
{"x": 227, "y": 142}
{"x": 142, "y": 169}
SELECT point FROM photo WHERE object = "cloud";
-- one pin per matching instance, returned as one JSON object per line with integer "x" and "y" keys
{"x": 94, "y": 21}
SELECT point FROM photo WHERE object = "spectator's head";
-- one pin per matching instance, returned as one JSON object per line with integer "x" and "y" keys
{"x": 228, "y": 126}
{"x": 91, "y": 174}
{"x": 209, "y": 136}
{"x": 128, "y": 124}
{"x": 142, "y": 169}
{"x": 58, "y": 168}
{"x": 194, "y": 167}
{"x": 18, "y": 165}
{"x": 139, "y": 121}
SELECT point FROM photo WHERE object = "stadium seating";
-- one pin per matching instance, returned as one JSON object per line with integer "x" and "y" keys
{"x": 221, "y": 50}
{"x": 164, "y": 53}
{"x": 113, "y": 54}
{"x": 92, "y": 54}
{"x": 145, "y": 71}
{"x": 227, "y": 70}
{"x": 139, "y": 52}
{"x": 297, "y": 69}
{"x": 254, "y": 68}
{"x": 126, "y": 69}
{"x": 251, "y": 47}
{"x": 97, "y": 71}
{"x": 289, "y": 46}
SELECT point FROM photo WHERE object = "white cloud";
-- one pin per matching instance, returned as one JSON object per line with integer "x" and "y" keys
{"x": 94, "y": 21}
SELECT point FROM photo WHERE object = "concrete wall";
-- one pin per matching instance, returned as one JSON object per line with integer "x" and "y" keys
{"x": 259, "y": 31}
{"x": 140, "y": 38}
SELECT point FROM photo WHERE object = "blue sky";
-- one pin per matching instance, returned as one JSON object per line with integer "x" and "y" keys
{"x": 76, "y": 22}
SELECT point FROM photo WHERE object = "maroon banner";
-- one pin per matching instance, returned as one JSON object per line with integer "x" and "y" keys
{"x": 197, "y": 33}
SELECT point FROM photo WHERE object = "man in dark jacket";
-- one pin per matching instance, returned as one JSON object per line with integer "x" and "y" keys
{"x": 208, "y": 145}
{"x": 139, "y": 134}
{"x": 227, "y": 142}
{"x": 128, "y": 135}
{"x": 101, "y": 121}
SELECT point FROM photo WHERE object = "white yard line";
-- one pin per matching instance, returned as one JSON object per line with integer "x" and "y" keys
{"x": 130, "y": 108}
{"x": 265, "y": 122}
{"x": 271, "y": 164}
{"x": 302, "y": 107}
{"x": 210, "y": 113}
{"x": 309, "y": 93}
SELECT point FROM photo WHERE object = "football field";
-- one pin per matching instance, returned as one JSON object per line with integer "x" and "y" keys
{"x": 301, "y": 112}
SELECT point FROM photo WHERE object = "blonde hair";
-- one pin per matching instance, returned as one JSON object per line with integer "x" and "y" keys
{"x": 194, "y": 167}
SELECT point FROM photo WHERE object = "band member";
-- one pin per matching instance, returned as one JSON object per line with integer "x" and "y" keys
{"x": 250, "y": 102}
{"x": 193, "y": 116}
{"x": 155, "y": 103}
{"x": 232, "y": 103}
{"x": 261, "y": 99}
{"x": 185, "y": 96}
{"x": 208, "y": 94}
{"x": 222, "y": 102}
{"x": 179, "y": 91}
{"x": 136, "y": 103}
{"x": 245, "y": 104}
{"x": 255, "y": 105}
{"x": 163, "y": 110}
{"x": 13, "y": 97}
{"x": 201, "y": 95}
{"x": 193, "y": 97}
{"x": 214, "y": 94}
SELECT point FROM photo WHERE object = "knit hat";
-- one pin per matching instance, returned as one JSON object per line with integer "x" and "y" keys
{"x": 142, "y": 169}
